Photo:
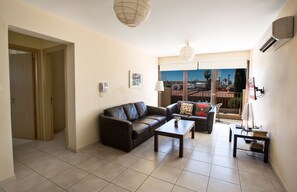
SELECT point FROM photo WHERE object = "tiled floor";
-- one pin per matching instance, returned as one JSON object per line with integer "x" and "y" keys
{"x": 207, "y": 165}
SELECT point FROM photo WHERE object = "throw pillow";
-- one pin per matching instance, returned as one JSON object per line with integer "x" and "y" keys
{"x": 202, "y": 109}
{"x": 186, "y": 109}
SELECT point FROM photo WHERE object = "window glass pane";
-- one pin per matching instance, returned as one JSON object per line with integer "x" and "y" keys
{"x": 199, "y": 85}
{"x": 174, "y": 81}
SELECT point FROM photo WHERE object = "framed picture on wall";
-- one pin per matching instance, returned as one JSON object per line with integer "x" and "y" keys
{"x": 135, "y": 79}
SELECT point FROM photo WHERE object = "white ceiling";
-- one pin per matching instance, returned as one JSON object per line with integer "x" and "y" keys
{"x": 208, "y": 25}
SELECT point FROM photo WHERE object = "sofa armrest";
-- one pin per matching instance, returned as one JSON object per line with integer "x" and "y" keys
{"x": 170, "y": 109}
{"x": 211, "y": 118}
{"x": 156, "y": 110}
{"x": 116, "y": 132}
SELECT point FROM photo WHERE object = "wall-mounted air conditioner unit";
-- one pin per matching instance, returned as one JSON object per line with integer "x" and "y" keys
{"x": 278, "y": 34}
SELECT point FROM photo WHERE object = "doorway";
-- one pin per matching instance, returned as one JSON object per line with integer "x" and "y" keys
{"x": 37, "y": 83}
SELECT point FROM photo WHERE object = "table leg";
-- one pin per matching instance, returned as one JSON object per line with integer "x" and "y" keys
{"x": 266, "y": 147}
{"x": 230, "y": 135}
{"x": 234, "y": 145}
{"x": 181, "y": 147}
{"x": 193, "y": 132}
{"x": 156, "y": 142}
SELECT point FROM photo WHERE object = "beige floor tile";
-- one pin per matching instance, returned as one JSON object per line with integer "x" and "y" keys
{"x": 69, "y": 177}
{"x": 152, "y": 184}
{"x": 225, "y": 174}
{"x": 76, "y": 158}
{"x": 49, "y": 166}
{"x": 108, "y": 153}
{"x": 216, "y": 185}
{"x": 175, "y": 161}
{"x": 24, "y": 149}
{"x": 113, "y": 188}
{"x": 180, "y": 189}
{"x": 193, "y": 181}
{"x": 91, "y": 149}
{"x": 274, "y": 179}
{"x": 228, "y": 152}
{"x": 154, "y": 156}
{"x": 28, "y": 157}
{"x": 52, "y": 148}
{"x": 130, "y": 180}
{"x": 250, "y": 181}
{"x": 125, "y": 160}
{"x": 141, "y": 150}
{"x": 204, "y": 148}
{"x": 25, "y": 179}
{"x": 167, "y": 173}
{"x": 109, "y": 171}
{"x": 252, "y": 189}
{"x": 144, "y": 166}
{"x": 250, "y": 167}
{"x": 198, "y": 167}
{"x": 225, "y": 161}
{"x": 89, "y": 184}
{"x": 16, "y": 163}
{"x": 47, "y": 186}
{"x": 91, "y": 164}
{"x": 175, "y": 152}
{"x": 202, "y": 156}
{"x": 165, "y": 148}
{"x": 188, "y": 143}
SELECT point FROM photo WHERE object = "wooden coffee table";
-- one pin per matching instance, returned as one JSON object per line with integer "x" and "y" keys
{"x": 169, "y": 130}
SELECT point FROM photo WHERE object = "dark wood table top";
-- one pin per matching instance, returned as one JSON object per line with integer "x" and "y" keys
{"x": 184, "y": 126}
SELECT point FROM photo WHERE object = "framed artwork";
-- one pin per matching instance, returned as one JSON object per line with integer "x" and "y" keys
{"x": 135, "y": 79}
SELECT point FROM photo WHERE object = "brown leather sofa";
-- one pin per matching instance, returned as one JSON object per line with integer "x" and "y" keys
{"x": 202, "y": 123}
{"x": 126, "y": 126}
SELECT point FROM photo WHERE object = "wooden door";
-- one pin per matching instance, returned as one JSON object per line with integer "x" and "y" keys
{"x": 56, "y": 60}
{"x": 22, "y": 95}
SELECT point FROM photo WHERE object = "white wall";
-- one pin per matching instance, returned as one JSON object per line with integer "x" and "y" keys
{"x": 277, "y": 110}
{"x": 97, "y": 59}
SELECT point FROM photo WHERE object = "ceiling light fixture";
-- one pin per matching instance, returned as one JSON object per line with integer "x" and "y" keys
{"x": 187, "y": 53}
{"x": 132, "y": 12}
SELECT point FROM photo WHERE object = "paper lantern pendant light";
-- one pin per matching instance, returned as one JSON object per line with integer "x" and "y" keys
{"x": 132, "y": 12}
{"x": 187, "y": 53}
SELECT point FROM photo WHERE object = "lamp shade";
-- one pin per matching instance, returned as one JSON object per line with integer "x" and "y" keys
{"x": 187, "y": 53}
{"x": 248, "y": 113}
{"x": 159, "y": 86}
{"x": 132, "y": 12}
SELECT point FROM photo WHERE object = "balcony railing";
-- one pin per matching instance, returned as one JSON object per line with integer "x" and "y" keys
{"x": 231, "y": 101}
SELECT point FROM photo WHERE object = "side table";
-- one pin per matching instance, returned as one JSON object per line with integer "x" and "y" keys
{"x": 238, "y": 134}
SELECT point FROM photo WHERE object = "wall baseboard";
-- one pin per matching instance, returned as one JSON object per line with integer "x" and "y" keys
{"x": 79, "y": 149}
{"x": 278, "y": 179}
{"x": 8, "y": 178}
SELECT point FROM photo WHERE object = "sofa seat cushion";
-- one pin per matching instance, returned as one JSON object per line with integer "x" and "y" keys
{"x": 199, "y": 119}
{"x": 139, "y": 129}
{"x": 130, "y": 111}
{"x": 152, "y": 123}
{"x": 116, "y": 112}
{"x": 159, "y": 118}
{"x": 180, "y": 115}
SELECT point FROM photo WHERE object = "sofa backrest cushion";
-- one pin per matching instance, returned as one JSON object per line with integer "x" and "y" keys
{"x": 141, "y": 109}
{"x": 179, "y": 103}
{"x": 130, "y": 111}
{"x": 186, "y": 109}
{"x": 202, "y": 109}
{"x": 116, "y": 112}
